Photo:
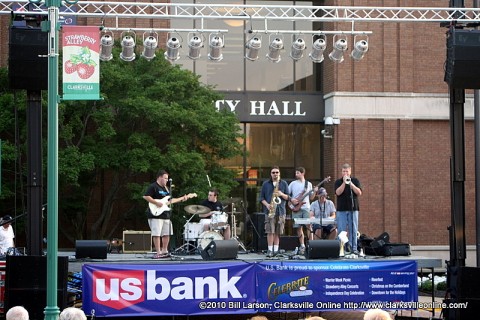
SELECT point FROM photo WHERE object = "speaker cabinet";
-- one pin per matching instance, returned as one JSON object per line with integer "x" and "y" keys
{"x": 93, "y": 249}
{"x": 26, "y": 284}
{"x": 259, "y": 242}
{"x": 220, "y": 250}
{"x": 323, "y": 249}
{"x": 463, "y": 58}
{"x": 27, "y": 64}
{"x": 137, "y": 241}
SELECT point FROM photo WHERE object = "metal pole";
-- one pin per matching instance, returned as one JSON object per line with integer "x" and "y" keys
{"x": 476, "y": 114}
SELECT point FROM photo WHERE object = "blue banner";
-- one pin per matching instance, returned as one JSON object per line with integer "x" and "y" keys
{"x": 167, "y": 289}
{"x": 323, "y": 285}
{"x": 242, "y": 287}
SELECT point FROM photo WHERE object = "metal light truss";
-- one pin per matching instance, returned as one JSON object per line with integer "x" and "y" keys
{"x": 116, "y": 9}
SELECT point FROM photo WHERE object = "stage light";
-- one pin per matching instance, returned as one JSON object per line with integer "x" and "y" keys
{"x": 298, "y": 47}
{"x": 106, "y": 46}
{"x": 253, "y": 47}
{"x": 274, "y": 49}
{"x": 194, "y": 45}
{"x": 128, "y": 48}
{"x": 173, "y": 48}
{"x": 359, "y": 50}
{"x": 318, "y": 47}
{"x": 216, "y": 45}
{"x": 150, "y": 44}
{"x": 339, "y": 47}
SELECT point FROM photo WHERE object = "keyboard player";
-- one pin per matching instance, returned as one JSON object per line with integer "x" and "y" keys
{"x": 323, "y": 208}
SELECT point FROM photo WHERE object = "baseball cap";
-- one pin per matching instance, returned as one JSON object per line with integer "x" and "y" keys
{"x": 322, "y": 192}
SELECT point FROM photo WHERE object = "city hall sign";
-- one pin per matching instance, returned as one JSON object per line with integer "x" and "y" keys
{"x": 274, "y": 106}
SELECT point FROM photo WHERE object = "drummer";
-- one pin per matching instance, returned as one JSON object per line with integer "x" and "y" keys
{"x": 215, "y": 206}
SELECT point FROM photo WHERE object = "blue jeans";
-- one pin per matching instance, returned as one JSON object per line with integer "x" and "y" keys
{"x": 348, "y": 221}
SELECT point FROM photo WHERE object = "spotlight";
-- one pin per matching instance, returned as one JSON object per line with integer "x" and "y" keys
{"x": 106, "y": 46}
{"x": 216, "y": 45}
{"x": 128, "y": 48}
{"x": 298, "y": 46}
{"x": 173, "y": 47}
{"x": 149, "y": 46}
{"x": 318, "y": 47}
{"x": 194, "y": 45}
{"x": 339, "y": 48}
{"x": 359, "y": 50}
{"x": 253, "y": 47}
{"x": 274, "y": 49}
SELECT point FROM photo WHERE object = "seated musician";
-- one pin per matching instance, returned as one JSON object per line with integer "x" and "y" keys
{"x": 216, "y": 207}
{"x": 323, "y": 208}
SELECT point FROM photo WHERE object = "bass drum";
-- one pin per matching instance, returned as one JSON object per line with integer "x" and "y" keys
{"x": 206, "y": 237}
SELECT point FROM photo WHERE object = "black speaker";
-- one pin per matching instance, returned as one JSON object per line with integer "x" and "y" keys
{"x": 463, "y": 58}
{"x": 93, "y": 249}
{"x": 220, "y": 250}
{"x": 259, "y": 241}
{"x": 26, "y": 284}
{"x": 323, "y": 249}
{"x": 26, "y": 70}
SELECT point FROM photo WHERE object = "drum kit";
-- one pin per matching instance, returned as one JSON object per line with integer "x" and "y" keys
{"x": 194, "y": 231}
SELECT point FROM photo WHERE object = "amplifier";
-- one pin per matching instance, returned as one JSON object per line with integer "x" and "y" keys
{"x": 137, "y": 241}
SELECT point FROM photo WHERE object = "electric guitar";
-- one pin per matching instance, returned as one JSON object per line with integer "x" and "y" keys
{"x": 157, "y": 210}
{"x": 303, "y": 195}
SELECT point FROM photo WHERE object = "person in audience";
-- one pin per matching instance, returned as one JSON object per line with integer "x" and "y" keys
{"x": 6, "y": 234}
{"x": 72, "y": 313}
{"x": 17, "y": 313}
{"x": 376, "y": 314}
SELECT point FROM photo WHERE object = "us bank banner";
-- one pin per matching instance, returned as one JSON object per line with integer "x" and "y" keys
{"x": 241, "y": 287}
{"x": 81, "y": 67}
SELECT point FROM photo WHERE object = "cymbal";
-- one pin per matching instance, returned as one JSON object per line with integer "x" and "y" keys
{"x": 196, "y": 208}
{"x": 231, "y": 200}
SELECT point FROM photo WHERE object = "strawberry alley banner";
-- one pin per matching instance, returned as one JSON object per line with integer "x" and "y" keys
{"x": 240, "y": 287}
{"x": 81, "y": 68}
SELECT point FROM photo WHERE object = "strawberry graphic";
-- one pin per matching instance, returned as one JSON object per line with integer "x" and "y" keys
{"x": 70, "y": 67}
{"x": 84, "y": 70}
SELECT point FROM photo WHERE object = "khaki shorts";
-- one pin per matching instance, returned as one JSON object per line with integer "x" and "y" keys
{"x": 275, "y": 225}
{"x": 160, "y": 227}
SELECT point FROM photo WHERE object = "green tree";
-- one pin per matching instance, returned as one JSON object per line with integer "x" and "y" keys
{"x": 153, "y": 115}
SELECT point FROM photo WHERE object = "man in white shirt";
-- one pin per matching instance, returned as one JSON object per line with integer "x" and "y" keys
{"x": 6, "y": 234}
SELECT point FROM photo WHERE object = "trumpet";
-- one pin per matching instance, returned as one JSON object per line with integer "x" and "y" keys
{"x": 347, "y": 180}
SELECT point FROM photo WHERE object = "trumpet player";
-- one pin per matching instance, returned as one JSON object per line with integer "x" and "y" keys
{"x": 347, "y": 190}
{"x": 273, "y": 196}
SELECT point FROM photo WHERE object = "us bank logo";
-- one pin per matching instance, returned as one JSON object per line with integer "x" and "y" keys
{"x": 121, "y": 289}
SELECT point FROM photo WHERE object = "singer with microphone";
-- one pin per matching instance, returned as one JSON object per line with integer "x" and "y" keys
{"x": 347, "y": 190}
{"x": 158, "y": 195}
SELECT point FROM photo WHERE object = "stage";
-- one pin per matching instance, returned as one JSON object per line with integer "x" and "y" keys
{"x": 75, "y": 265}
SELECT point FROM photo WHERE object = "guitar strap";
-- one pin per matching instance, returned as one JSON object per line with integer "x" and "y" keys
{"x": 306, "y": 187}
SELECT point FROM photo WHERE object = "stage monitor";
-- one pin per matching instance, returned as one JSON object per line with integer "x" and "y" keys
{"x": 323, "y": 249}
{"x": 93, "y": 249}
{"x": 220, "y": 250}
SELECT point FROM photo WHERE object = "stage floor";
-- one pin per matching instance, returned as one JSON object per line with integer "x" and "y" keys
{"x": 75, "y": 265}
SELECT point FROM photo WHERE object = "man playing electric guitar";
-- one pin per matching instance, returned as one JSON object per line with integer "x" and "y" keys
{"x": 159, "y": 220}
{"x": 297, "y": 189}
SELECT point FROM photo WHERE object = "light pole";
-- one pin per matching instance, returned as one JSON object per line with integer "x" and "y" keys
{"x": 52, "y": 27}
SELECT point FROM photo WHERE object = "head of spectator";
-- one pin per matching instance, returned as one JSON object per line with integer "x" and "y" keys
{"x": 376, "y": 314}
{"x": 17, "y": 313}
{"x": 72, "y": 313}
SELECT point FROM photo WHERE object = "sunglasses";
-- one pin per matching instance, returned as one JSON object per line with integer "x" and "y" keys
{"x": 274, "y": 172}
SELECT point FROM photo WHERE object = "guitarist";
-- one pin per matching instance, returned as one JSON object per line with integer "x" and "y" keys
{"x": 160, "y": 225}
{"x": 297, "y": 190}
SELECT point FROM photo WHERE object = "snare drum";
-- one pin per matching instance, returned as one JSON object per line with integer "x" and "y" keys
{"x": 192, "y": 231}
{"x": 207, "y": 237}
{"x": 219, "y": 220}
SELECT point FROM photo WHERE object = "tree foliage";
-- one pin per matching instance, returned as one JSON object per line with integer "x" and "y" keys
{"x": 153, "y": 115}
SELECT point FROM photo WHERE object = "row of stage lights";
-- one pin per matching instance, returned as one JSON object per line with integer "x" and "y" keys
{"x": 216, "y": 44}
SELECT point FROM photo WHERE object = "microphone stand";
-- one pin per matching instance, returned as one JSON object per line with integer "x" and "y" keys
{"x": 249, "y": 220}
